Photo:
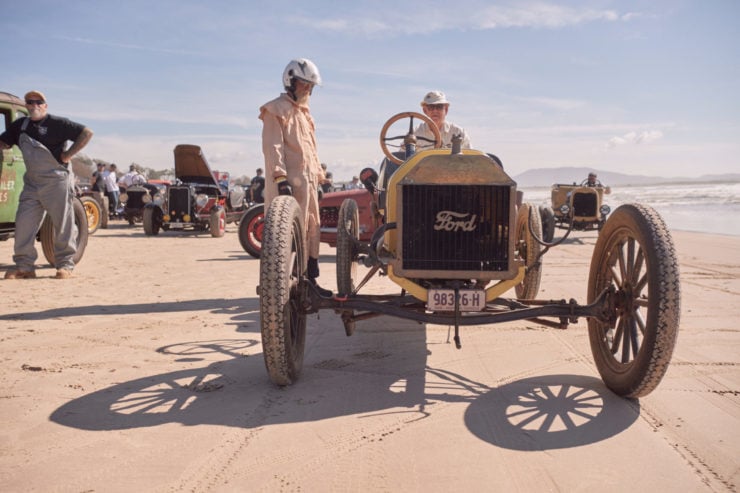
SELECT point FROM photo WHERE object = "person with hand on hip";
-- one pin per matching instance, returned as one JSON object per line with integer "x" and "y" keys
{"x": 48, "y": 185}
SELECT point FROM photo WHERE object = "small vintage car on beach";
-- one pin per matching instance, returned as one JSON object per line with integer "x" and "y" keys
{"x": 578, "y": 207}
{"x": 454, "y": 239}
{"x": 12, "y": 170}
{"x": 195, "y": 200}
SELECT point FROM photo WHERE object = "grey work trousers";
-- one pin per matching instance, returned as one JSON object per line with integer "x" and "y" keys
{"x": 47, "y": 188}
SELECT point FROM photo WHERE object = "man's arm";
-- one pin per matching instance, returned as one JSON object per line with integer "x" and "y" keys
{"x": 81, "y": 141}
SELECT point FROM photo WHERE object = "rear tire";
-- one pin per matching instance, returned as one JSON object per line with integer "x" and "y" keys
{"x": 527, "y": 227}
{"x": 105, "y": 212}
{"x": 251, "y": 229}
{"x": 634, "y": 254}
{"x": 47, "y": 234}
{"x": 348, "y": 233}
{"x": 283, "y": 290}
{"x": 548, "y": 223}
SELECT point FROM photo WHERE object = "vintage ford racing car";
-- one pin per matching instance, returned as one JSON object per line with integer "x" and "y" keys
{"x": 454, "y": 241}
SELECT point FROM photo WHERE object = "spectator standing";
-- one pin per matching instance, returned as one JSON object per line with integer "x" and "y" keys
{"x": 328, "y": 183}
{"x": 257, "y": 188}
{"x": 354, "y": 184}
{"x": 292, "y": 162}
{"x": 48, "y": 184}
{"x": 99, "y": 178}
{"x": 111, "y": 189}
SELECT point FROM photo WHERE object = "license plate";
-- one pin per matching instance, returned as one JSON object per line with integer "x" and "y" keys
{"x": 443, "y": 300}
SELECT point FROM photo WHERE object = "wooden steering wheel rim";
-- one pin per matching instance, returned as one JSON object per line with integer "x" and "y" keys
{"x": 407, "y": 114}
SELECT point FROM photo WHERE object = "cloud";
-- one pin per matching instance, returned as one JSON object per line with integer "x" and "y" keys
{"x": 427, "y": 19}
{"x": 644, "y": 137}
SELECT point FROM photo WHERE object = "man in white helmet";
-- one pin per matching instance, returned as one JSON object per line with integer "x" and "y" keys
{"x": 436, "y": 106}
{"x": 292, "y": 165}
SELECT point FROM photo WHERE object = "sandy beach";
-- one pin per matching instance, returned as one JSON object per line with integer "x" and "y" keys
{"x": 144, "y": 372}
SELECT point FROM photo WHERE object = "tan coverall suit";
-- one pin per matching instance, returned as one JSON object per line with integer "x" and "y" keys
{"x": 289, "y": 147}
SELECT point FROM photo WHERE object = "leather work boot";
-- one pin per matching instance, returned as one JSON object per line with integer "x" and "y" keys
{"x": 63, "y": 274}
{"x": 312, "y": 272}
{"x": 20, "y": 274}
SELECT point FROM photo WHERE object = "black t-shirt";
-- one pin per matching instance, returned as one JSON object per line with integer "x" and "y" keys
{"x": 99, "y": 183}
{"x": 52, "y": 131}
{"x": 258, "y": 185}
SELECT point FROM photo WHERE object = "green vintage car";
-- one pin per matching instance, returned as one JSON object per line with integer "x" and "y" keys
{"x": 12, "y": 170}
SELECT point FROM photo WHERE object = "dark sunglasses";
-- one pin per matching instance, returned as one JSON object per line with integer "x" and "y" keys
{"x": 35, "y": 101}
{"x": 439, "y": 107}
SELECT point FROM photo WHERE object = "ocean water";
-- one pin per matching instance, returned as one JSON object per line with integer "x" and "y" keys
{"x": 703, "y": 207}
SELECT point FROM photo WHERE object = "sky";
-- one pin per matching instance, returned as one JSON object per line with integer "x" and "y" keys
{"x": 647, "y": 87}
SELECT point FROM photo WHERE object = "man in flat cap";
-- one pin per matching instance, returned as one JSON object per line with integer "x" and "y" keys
{"x": 48, "y": 185}
{"x": 436, "y": 106}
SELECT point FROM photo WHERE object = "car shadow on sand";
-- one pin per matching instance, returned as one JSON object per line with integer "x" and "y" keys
{"x": 381, "y": 370}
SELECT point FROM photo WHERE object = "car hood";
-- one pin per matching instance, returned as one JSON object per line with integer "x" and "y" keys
{"x": 191, "y": 165}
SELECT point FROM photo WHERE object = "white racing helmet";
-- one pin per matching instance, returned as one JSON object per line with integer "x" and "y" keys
{"x": 301, "y": 68}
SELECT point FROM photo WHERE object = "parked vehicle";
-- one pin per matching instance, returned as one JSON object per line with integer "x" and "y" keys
{"x": 251, "y": 224}
{"x": 329, "y": 206}
{"x": 137, "y": 196}
{"x": 12, "y": 170}
{"x": 96, "y": 208}
{"x": 195, "y": 200}
{"x": 454, "y": 241}
{"x": 579, "y": 207}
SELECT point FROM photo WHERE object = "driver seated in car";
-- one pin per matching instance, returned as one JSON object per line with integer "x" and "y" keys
{"x": 435, "y": 105}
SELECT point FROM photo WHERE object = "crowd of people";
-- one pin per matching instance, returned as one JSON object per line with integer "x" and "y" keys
{"x": 292, "y": 166}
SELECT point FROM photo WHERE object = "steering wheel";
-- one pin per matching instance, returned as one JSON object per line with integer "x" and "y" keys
{"x": 407, "y": 114}
{"x": 597, "y": 183}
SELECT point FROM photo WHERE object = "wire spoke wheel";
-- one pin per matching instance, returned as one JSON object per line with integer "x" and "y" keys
{"x": 635, "y": 256}
{"x": 93, "y": 212}
{"x": 251, "y": 230}
{"x": 528, "y": 221}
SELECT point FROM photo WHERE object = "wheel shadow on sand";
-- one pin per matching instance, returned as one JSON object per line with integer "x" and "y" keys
{"x": 384, "y": 373}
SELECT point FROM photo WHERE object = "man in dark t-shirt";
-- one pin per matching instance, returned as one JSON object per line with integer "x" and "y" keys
{"x": 257, "y": 187}
{"x": 99, "y": 178}
{"x": 48, "y": 185}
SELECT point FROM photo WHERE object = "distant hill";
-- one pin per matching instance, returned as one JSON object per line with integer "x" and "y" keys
{"x": 544, "y": 177}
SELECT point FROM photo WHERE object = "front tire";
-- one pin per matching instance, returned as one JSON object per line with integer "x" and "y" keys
{"x": 93, "y": 213}
{"x": 251, "y": 230}
{"x": 634, "y": 254}
{"x": 47, "y": 234}
{"x": 282, "y": 290}
{"x": 152, "y": 220}
{"x": 529, "y": 225}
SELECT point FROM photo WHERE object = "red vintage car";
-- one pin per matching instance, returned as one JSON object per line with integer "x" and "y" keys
{"x": 329, "y": 210}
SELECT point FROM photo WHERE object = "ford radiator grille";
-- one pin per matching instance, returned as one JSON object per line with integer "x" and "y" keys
{"x": 455, "y": 228}
{"x": 179, "y": 203}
